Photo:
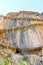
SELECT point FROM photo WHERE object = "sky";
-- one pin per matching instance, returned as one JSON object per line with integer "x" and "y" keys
{"x": 7, "y": 6}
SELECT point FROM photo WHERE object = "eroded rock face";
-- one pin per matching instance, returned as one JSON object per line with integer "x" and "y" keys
{"x": 26, "y": 30}
{"x": 27, "y": 59}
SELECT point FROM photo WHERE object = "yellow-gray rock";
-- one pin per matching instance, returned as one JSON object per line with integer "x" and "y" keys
{"x": 22, "y": 30}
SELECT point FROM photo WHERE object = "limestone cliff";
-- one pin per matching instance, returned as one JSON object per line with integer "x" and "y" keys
{"x": 22, "y": 29}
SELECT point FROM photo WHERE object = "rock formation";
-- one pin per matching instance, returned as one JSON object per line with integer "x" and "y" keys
{"x": 22, "y": 30}
{"x": 23, "y": 33}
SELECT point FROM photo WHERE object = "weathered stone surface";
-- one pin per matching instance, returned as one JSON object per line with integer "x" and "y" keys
{"x": 28, "y": 31}
{"x": 31, "y": 59}
{"x": 24, "y": 31}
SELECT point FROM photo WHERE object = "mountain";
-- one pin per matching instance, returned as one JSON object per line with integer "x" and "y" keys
{"x": 22, "y": 29}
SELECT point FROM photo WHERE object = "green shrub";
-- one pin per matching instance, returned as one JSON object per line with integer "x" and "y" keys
{"x": 23, "y": 63}
{"x": 6, "y": 61}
